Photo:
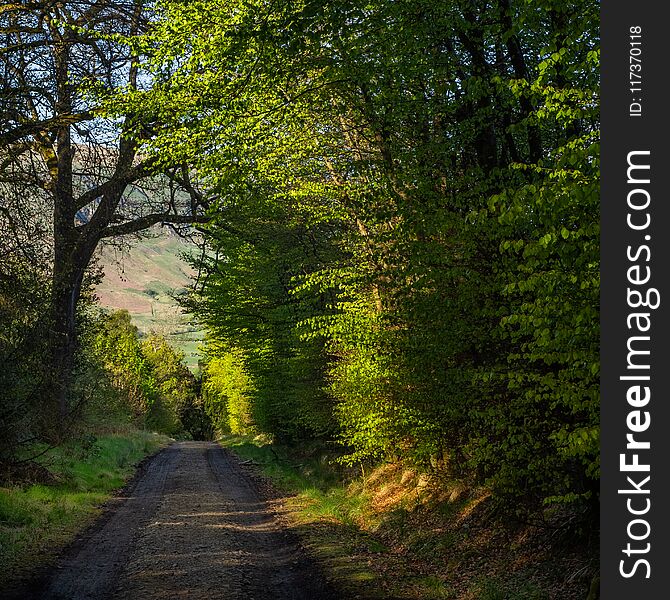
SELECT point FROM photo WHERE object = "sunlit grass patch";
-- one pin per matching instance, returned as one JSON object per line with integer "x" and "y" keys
{"x": 345, "y": 518}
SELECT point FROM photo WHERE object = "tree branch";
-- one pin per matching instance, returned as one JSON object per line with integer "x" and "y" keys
{"x": 139, "y": 171}
{"x": 14, "y": 135}
{"x": 147, "y": 221}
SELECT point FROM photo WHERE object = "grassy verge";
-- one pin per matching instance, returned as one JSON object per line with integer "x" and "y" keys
{"x": 38, "y": 519}
{"x": 395, "y": 534}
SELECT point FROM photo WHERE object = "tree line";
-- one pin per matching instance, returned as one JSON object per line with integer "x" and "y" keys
{"x": 400, "y": 203}
{"x": 406, "y": 233}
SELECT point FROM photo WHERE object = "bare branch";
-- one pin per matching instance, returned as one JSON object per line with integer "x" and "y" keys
{"x": 32, "y": 128}
{"x": 147, "y": 221}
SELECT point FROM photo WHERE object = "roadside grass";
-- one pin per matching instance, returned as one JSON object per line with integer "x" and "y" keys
{"x": 392, "y": 533}
{"x": 37, "y": 519}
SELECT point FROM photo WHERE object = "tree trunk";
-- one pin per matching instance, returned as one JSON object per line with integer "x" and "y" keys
{"x": 66, "y": 283}
{"x": 72, "y": 255}
{"x": 66, "y": 289}
{"x": 63, "y": 356}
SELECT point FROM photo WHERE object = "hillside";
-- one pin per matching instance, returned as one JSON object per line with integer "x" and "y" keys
{"x": 144, "y": 279}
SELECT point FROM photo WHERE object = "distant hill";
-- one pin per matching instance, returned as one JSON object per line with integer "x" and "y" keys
{"x": 144, "y": 279}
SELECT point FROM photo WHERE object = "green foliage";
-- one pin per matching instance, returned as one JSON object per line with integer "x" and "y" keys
{"x": 119, "y": 349}
{"x": 177, "y": 406}
{"x": 227, "y": 391}
{"x": 404, "y": 226}
{"x": 23, "y": 351}
{"x": 149, "y": 380}
{"x": 547, "y": 418}
{"x": 253, "y": 321}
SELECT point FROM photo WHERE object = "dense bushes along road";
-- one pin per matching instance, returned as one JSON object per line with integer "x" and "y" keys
{"x": 404, "y": 228}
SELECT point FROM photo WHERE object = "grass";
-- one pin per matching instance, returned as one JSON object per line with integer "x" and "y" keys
{"x": 492, "y": 589}
{"x": 337, "y": 514}
{"x": 39, "y": 518}
{"x": 387, "y": 533}
{"x": 323, "y": 492}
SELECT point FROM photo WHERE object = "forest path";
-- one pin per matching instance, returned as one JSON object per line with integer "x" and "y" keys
{"x": 193, "y": 525}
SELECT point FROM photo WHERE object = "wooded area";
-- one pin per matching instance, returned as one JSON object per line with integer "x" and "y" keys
{"x": 400, "y": 207}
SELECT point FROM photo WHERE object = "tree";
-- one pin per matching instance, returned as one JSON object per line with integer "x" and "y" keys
{"x": 177, "y": 407}
{"x": 259, "y": 372}
{"x": 119, "y": 350}
{"x": 24, "y": 277}
{"x": 445, "y": 152}
{"x": 60, "y": 150}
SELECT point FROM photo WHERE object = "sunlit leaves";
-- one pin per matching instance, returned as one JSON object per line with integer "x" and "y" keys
{"x": 406, "y": 223}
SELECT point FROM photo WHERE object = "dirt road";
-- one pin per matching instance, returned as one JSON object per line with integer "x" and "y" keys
{"x": 193, "y": 526}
